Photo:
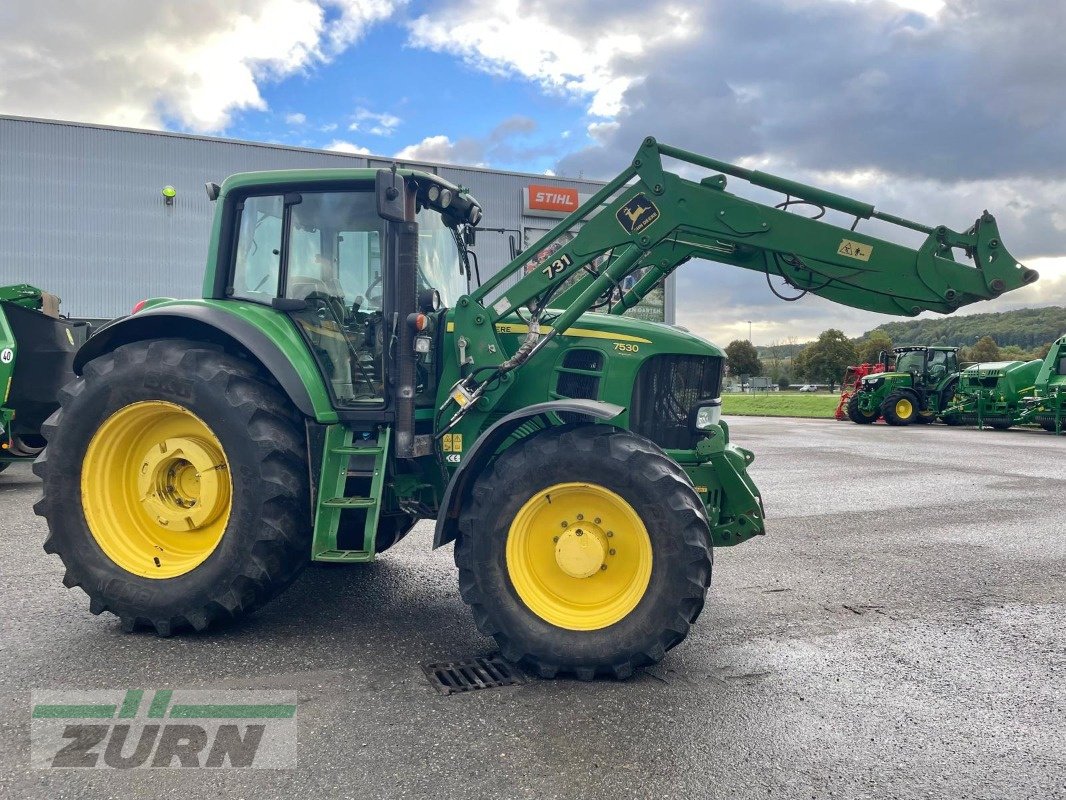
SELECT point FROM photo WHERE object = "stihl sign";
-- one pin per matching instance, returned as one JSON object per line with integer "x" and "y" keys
{"x": 550, "y": 201}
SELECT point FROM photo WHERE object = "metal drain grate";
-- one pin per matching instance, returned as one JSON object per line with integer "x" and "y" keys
{"x": 450, "y": 677}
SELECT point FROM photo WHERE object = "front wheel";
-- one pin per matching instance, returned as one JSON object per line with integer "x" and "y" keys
{"x": 899, "y": 408}
{"x": 856, "y": 413}
{"x": 175, "y": 486}
{"x": 584, "y": 550}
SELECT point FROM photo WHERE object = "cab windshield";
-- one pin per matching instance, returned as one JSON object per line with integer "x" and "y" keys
{"x": 912, "y": 361}
{"x": 438, "y": 258}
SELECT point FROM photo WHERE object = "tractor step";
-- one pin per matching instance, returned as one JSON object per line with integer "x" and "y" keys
{"x": 346, "y": 450}
{"x": 350, "y": 502}
{"x": 337, "y": 498}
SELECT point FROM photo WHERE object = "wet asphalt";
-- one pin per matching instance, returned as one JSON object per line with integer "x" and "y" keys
{"x": 899, "y": 633}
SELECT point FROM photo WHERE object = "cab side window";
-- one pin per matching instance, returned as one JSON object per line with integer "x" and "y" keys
{"x": 257, "y": 262}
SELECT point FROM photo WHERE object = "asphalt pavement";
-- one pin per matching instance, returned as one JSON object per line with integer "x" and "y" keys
{"x": 898, "y": 633}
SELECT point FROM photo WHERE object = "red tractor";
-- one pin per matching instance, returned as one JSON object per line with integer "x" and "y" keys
{"x": 849, "y": 384}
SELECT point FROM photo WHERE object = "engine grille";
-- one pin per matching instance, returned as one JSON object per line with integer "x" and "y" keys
{"x": 667, "y": 388}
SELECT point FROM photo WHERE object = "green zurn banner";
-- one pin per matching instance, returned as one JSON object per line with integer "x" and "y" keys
{"x": 162, "y": 729}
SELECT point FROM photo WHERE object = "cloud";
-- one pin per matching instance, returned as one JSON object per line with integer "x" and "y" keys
{"x": 192, "y": 64}
{"x": 933, "y": 110}
{"x": 541, "y": 40}
{"x": 376, "y": 124}
{"x": 498, "y": 145}
{"x": 341, "y": 146}
{"x": 295, "y": 119}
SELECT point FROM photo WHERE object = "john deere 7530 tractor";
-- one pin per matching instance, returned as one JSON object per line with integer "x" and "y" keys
{"x": 918, "y": 389}
{"x": 340, "y": 380}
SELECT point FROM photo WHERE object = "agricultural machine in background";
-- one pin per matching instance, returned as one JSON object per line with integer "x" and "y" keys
{"x": 852, "y": 382}
{"x": 341, "y": 379}
{"x": 1003, "y": 394}
{"x": 37, "y": 349}
{"x": 917, "y": 390}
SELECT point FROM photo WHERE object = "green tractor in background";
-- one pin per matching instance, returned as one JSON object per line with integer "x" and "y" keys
{"x": 919, "y": 388}
{"x": 37, "y": 349}
{"x": 342, "y": 377}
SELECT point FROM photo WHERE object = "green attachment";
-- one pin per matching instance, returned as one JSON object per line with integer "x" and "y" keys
{"x": 333, "y": 501}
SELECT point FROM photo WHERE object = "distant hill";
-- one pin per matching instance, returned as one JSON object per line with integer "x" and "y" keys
{"x": 1024, "y": 327}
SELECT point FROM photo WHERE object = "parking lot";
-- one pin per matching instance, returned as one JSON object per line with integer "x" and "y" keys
{"x": 899, "y": 633}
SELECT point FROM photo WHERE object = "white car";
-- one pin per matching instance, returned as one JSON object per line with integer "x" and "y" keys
{"x": 807, "y": 388}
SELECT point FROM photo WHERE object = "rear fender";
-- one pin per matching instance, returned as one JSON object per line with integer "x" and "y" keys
{"x": 479, "y": 456}
{"x": 210, "y": 323}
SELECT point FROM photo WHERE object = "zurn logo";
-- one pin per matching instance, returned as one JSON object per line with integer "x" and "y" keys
{"x": 137, "y": 729}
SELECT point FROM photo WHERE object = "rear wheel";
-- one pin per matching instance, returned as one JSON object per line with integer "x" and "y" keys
{"x": 899, "y": 408}
{"x": 857, "y": 415}
{"x": 175, "y": 486}
{"x": 584, "y": 550}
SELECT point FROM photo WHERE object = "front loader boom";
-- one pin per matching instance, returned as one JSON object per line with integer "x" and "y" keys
{"x": 648, "y": 221}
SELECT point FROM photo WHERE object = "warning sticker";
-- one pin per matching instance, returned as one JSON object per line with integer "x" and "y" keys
{"x": 856, "y": 250}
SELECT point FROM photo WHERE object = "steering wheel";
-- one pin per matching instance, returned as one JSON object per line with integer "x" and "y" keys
{"x": 316, "y": 290}
{"x": 374, "y": 299}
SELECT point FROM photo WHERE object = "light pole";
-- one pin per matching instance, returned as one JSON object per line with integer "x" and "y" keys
{"x": 749, "y": 331}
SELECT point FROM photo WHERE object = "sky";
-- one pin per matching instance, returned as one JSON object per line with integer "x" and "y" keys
{"x": 931, "y": 109}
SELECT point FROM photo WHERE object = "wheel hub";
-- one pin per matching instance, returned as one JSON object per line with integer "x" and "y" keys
{"x": 178, "y": 484}
{"x": 581, "y": 551}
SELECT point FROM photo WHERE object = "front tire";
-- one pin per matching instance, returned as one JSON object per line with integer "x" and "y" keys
{"x": 175, "y": 486}
{"x": 584, "y": 550}
{"x": 857, "y": 415}
{"x": 899, "y": 408}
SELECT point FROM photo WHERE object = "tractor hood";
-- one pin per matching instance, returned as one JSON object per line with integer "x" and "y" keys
{"x": 627, "y": 330}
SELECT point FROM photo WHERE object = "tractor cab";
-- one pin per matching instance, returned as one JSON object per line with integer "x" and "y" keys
{"x": 928, "y": 366}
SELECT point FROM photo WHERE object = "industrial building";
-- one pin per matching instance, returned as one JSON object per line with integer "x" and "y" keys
{"x": 83, "y": 212}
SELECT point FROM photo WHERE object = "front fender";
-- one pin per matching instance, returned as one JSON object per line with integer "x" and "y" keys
{"x": 265, "y": 335}
{"x": 478, "y": 457}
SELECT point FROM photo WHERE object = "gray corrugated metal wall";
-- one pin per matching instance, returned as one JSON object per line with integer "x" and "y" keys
{"x": 81, "y": 213}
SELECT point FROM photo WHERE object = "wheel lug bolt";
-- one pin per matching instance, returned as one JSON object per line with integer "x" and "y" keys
{"x": 612, "y": 552}
{"x": 579, "y": 532}
{"x": 597, "y": 520}
{"x": 565, "y": 524}
{"x": 555, "y": 538}
{"x": 610, "y": 533}
{"x": 603, "y": 567}
{"x": 580, "y": 517}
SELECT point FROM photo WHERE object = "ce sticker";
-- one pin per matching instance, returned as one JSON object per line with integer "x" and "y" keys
{"x": 7, "y": 356}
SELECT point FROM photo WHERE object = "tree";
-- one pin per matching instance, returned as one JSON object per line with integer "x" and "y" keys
{"x": 783, "y": 383}
{"x": 870, "y": 347}
{"x": 825, "y": 360}
{"x": 985, "y": 349}
{"x": 742, "y": 358}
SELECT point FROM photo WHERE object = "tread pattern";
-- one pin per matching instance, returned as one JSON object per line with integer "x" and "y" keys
{"x": 280, "y": 543}
{"x": 638, "y": 456}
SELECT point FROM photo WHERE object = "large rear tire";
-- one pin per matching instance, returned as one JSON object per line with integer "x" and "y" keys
{"x": 857, "y": 415}
{"x": 584, "y": 550}
{"x": 899, "y": 408}
{"x": 175, "y": 486}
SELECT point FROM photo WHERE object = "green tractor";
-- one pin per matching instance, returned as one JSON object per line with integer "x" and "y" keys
{"x": 918, "y": 389}
{"x": 342, "y": 379}
{"x": 36, "y": 353}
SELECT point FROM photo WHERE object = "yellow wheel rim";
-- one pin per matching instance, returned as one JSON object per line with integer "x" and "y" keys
{"x": 904, "y": 408}
{"x": 156, "y": 489}
{"x": 579, "y": 556}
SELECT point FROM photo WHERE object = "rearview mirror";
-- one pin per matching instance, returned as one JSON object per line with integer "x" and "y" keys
{"x": 391, "y": 195}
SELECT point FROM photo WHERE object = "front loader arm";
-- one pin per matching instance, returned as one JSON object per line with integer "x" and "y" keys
{"x": 652, "y": 220}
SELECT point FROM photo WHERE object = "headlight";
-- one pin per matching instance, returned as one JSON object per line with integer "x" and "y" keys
{"x": 709, "y": 414}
